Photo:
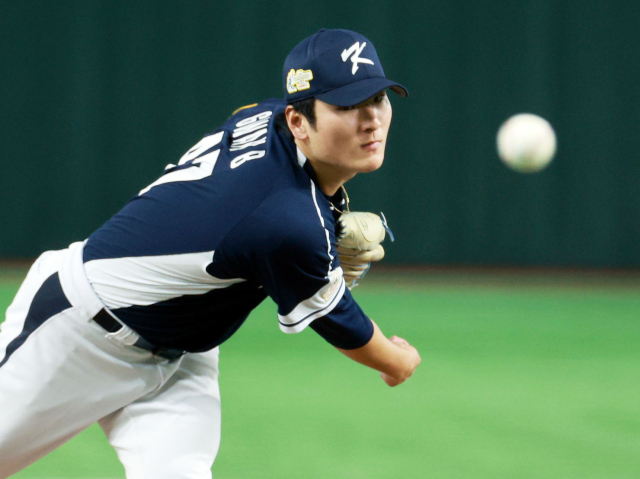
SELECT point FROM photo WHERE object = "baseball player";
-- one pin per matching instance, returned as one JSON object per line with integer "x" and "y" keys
{"x": 123, "y": 329}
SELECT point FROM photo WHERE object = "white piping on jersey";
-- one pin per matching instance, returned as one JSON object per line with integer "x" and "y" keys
{"x": 301, "y": 158}
{"x": 301, "y": 161}
{"x": 146, "y": 280}
{"x": 320, "y": 304}
{"x": 326, "y": 231}
{"x": 326, "y": 299}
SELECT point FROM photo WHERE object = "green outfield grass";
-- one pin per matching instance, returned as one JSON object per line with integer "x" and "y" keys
{"x": 532, "y": 376}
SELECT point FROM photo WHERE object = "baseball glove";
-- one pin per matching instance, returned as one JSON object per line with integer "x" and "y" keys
{"x": 359, "y": 238}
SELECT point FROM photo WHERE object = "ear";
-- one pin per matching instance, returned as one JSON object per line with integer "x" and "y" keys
{"x": 297, "y": 123}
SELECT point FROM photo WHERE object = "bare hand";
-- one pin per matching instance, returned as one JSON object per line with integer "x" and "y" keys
{"x": 404, "y": 344}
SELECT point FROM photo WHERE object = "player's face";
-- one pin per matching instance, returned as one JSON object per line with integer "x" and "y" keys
{"x": 350, "y": 140}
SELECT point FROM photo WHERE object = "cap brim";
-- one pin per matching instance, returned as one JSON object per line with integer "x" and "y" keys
{"x": 354, "y": 93}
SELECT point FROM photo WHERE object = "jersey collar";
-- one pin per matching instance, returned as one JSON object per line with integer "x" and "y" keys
{"x": 301, "y": 158}
{"x": 305, "y": 164}
{"x": 338, "y": 198}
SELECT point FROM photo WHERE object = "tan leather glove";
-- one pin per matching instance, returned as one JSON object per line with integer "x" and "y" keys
{"x": 359, "y": 244}
{"x": 355, "y": 264}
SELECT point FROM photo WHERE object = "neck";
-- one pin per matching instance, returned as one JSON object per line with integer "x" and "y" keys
{"x": 329, "y": 181}
{"x": 330, "y": 177}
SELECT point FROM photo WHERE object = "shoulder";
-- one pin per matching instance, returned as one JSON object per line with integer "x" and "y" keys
{"x": 254, "y": 132}
{"x": 300, "y": 218}
{"x": 250, "y": 118}
{"x": 290, "y": 218}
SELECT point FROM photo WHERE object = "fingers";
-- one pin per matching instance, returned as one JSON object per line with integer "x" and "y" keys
{"x": 354, "y": 257}
{"x": 375, "y": 254}
{"x": 354, "y": 268}
{"x": 352, "y": 273}
{"x": 352, "y": 277}
{"x": 390, "y": 380}
{"x": 413, "y": 358}
{"x": 355, "y": 263}
{"x": 399, "y": 341}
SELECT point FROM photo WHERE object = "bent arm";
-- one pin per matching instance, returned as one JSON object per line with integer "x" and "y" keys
{"x": 394, "y": 358}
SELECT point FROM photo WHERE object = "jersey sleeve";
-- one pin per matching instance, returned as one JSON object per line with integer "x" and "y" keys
{"x": 290, "y": 251}
{"x": 307, "y": 293}
{"x": 302, "y": 275}
{"x": 346, "y": 326}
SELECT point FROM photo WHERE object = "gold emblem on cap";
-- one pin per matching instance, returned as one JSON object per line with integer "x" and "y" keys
{"x": 298, "y": 80}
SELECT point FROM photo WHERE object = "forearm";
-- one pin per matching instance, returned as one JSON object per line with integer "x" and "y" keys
{"x": 394, "y": 358}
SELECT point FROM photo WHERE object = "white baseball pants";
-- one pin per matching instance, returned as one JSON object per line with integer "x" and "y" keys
{"x": 60, "y": 372}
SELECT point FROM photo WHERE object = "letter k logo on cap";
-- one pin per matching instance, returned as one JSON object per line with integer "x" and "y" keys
{"x": 354, "y": 51}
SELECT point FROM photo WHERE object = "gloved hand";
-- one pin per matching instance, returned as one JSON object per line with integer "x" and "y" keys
{"x": 355, "y": 264}
{"x": 359, "y": 238}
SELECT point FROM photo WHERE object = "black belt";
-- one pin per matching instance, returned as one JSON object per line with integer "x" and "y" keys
{"x": 110, "y": 325}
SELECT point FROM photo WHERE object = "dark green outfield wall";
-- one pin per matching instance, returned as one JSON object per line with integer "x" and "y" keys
{"x": 96, "y": 97}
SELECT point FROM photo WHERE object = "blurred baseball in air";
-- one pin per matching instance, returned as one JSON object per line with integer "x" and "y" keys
{"x": 526, "y": 143}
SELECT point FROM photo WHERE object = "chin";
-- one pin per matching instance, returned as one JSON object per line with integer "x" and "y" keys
{"x": 372, "y": 163}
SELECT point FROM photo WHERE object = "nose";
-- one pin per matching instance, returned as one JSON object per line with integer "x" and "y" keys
{"x": 370, "y": 118}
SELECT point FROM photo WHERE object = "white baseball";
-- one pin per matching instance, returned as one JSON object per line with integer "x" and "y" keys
{"x": 526, "y": 143}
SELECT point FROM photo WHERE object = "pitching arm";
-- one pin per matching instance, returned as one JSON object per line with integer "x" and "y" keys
{"x": 394, "y": 358}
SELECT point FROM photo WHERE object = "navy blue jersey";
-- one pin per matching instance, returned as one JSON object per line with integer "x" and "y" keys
{"x": 239, "y": 218}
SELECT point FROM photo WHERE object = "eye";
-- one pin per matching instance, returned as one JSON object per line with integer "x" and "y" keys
{"x": 380, "y": 97}
{"x": 376, "y": 99}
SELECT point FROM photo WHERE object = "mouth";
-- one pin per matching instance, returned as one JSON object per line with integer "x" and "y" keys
{"x": 371, "y": 145}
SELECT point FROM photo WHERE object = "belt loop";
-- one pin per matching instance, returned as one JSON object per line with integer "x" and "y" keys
{"x": 125, "y": 336}
{"x": 122, "y": 335}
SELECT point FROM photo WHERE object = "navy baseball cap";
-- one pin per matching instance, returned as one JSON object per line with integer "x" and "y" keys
{"x": 339, "y": 67}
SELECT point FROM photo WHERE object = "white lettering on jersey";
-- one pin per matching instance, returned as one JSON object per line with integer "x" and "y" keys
{"x": 252, "y": 143}
{"x": 200, "y": 147}
{"x": 249, "y": 132}
{"x": 202, "y": 166}
{"x": 354, "y": 51}
{"x": 243, "y": 130}
{"x": 250, "y": 155}
{"x": 252, "y": 119}
{"x": 247, "y": 138}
